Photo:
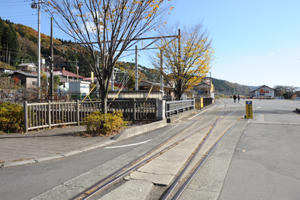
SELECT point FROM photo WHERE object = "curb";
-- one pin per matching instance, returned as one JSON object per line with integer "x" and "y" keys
{"x": 140, "y": 130}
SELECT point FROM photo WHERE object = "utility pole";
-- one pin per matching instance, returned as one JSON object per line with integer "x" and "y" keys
{"x": 179, "y": 48}
{"x": 51, "y": 62}
{"x": 39, "y": 48}
{"x": 136, "y": 69}
{"x": 161, "y": 69}
{"x": 38, "y": 6}
{"x": 112, "y": 83}
{"x": 97, "y": 78}
{"x": 179, "y": 60}
{"x": 77, "y": 68}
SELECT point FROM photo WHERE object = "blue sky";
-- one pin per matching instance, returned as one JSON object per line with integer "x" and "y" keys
{"x": 256, "y": 42}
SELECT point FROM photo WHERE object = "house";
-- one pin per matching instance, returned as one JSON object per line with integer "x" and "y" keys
{"x": 67, "y": 76}
{"x": 206, "y": 88}
{"x": 4, "y": 70}
{"x": 89, "y": 79}
{"x": 28, "y": 80}
{"x": 262, "y": 91}
{"x": 146, "y": 85}
{"x": 28, "y": 67}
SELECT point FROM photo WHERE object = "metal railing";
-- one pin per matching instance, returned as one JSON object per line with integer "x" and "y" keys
{"x": 174, "y": 107}
{"x": 47, "y": 115}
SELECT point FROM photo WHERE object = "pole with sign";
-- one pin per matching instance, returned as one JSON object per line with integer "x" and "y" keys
{"x": 249, "y": 110}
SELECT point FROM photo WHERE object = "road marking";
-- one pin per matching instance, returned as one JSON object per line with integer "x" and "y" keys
{"x": 195, "y": 115}
{"x": 258, "y": 107}
{"x": 170, "y": 129}
{"x": 127, "y": 145}
{"x": 278, "y": 123}
{"x": 249, "y": 121}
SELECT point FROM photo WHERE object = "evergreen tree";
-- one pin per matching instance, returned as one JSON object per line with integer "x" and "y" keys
{"x": 2, "y": 26}
{"x": 9, "y": 43}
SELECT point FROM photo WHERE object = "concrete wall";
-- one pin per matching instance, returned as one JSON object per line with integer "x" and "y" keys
{"x": 29, "y": 82}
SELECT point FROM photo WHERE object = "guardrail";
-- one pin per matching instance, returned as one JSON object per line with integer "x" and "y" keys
{"x": 174, "y": 107}
{"x": 47, "y": 115}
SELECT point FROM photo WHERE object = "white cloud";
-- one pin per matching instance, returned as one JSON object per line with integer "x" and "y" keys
{"x": 270, "y": 54}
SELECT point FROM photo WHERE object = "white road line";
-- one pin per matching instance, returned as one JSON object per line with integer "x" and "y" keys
{"x": 249, "y": 121}
{"x": 195, "y": 116}
{"x": 170, "y": 129}
{"x": 258, "y": 107}
{"x": 127, "y": 145}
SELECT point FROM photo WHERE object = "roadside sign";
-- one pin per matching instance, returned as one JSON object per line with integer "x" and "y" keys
{"x": 249, "y": 110}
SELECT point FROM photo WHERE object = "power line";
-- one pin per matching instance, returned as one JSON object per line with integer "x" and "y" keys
{"x": 14, "y": 16}
{"x": 13, "y": 4}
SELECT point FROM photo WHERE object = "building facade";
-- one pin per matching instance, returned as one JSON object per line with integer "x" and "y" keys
{"x": 206, "y": 88}
{"x": 28, "y": 80}
{"x": 262, "y": 91}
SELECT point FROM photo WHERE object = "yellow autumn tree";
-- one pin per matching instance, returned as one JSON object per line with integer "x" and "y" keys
{"x": 186, "y": 61}
{"x": 106, "y": 28}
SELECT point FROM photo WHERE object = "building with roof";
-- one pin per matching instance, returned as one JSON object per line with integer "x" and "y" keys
{"x": 28, "y": 80}
{"x": 67, "y": 76}
{"x": 206, "y": 88}
{"x": 28, "y": 67}
{"x": 262, "y": 91}
{"x": 146, "y": 85}
{"x": 89, "y": 79}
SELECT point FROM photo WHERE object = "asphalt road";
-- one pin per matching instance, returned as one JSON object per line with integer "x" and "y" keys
{"x": 266, "y": 161}
{"x": 28, "y": 181}
{"x": 270, "y": 160}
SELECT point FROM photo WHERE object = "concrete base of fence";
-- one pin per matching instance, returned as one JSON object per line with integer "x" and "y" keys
{"x": 130, "y": 132}
{"x": 174, "y": 118}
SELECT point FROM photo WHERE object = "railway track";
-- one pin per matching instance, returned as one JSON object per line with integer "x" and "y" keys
{"x": 159, "y": 150}
{"x": 172, "y": 192}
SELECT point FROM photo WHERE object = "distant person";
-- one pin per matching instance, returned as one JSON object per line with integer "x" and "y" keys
{"x": 239, "y": 97}
{"x": 234, "y": 98}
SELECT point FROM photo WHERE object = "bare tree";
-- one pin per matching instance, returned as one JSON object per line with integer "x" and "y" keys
{"x": 280, "y": 90}
{"x": 106, "y": 28}
{"x": 186, "y": 61}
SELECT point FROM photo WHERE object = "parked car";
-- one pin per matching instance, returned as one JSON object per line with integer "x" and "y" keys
{"x": 297, "y": 98}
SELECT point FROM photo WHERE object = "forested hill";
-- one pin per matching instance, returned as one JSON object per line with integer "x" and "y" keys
{"x": 225, "y": 87}
{"x": 18, "y": 43}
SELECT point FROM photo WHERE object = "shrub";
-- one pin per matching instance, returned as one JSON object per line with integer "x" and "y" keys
{"x": 101, "y": 124}
{"x": 11, "y": 117}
